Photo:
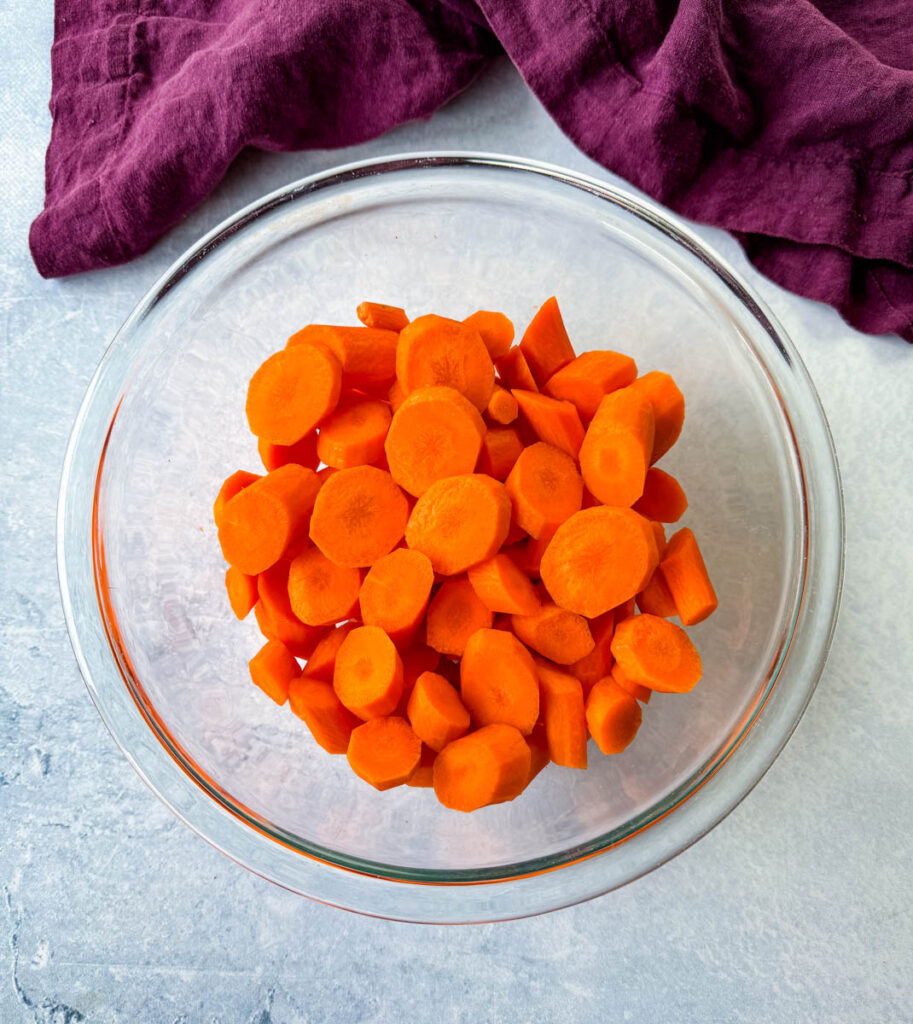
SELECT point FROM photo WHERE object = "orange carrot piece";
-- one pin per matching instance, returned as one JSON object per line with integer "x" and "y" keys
{"x": 423, "y": 776}
{"x": 459, "y": 521}
{"x": 395, "y": 395}
{"x": 260, "y": 522}
{"x": 556, "y": 423}
{"x": 559, "y": 635}
{"x": 502, "y": 407}
{"x": 276, "y": 618}
{"x": 489, "y": 766}
{"x": 615, "y": 453}
{"x": 435, "y": 711}
{"x": 515, "y": 535}
{"x": 320, "y": 591}
{"x": 302, "y": 453}
{"x": 538, "y": 750}
{"x": 545, "y": 489}
{"x": 501, "y": 447}
{"x": 395, "y": 592}
{"x": 435, "y": 433}
{"x": 368, "y": 675}
{"x": 637, "y": 691}
{"x": 314, "y": 701}
{"x": 599, "y": 558}
{"x": 242, "y": 591}
{"x": 685, "y": 574}
{"x": 598, "y": 663}
{"x": 514, "y": 371}
{"x": 659, "y": 535}
{"x": 273, "y": 668}
{"x": 612, "y": 716}
{"x": 498, "y": 681}
{"x": 322, "y": 661}
{"x": 454, "y": 614}
{"x": 366, "y": 355}
{"x": 496, "y": 331}
{"x": 433, "y": 350}
{"x": 545, "y": 343}
{"x": 668, "y": 406}
{"x": 656, "y": 598}
{"x": 561, "y": 701}
{"x": 586, "y": 379}
{"x": 657, "y": 654}
{"x": 384, "y": 752}
{"x": 354, "y": 434}
{"x": 382, "y": 316}
{"x": 359, "y": 516}
{"x": 232, "y": 486}
{"x": 528, "y": 556}
{"x": 503, "y": 587}
{"x": 292, "y": 392}
{"x": 663, "y": 498}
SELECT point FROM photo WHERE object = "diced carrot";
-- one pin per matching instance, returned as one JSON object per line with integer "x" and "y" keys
{"x": 273, "y": 668}
{"x": 232, "y": 486}
{"x": 292, "y": 392}
{"x": 489, "y": 766}
{"x": 668, "y": 406}
{"x": 354, "y": 434}
{"x": 545, "y": 489}
{"x": 686, "y": 576}
{"x": 503, "y": 587}
{"x": 612, "y": 716}
{"x": 384, "y": 752}
{"x": 395, "y": 592}
{"x": 598, "y": 663}
{"x": 242, "y": 591}
{"x": 502, "y": 406}
{"x": 366, "y": 355}
{"x": 302, "y": 453}
{"x": 368, "y": 675}
{"x": 514, "y": 371}
{"x": 315, "y": 702}
{"x": 585, "y": 380}
{"x": 320, "y": 591}
{"x": 278, "y": 619}
{"x": 663, "y": 498}
{"x": 322, "y": 661}
{"x": 559, "y": 635}
{"x": 385, "y": 318}
{"x": 656, "y": 598}
{"x": 498, "y": 681}
{"x": 657, "y": 654}
{"x": 545, "y": 343}
{"x": 454, "y": 614}
{"x": 501, "y": 447}
{"x": 556, "y": 423}
{"x": 561, "y": 701}
{"x": 615, "y": 453}
{"x": 423, "y": 776}
{"x": 435, "y": 711}
{"x": 496, "y": 331}
{"x": 433, "y": 350}
{"x": 637, "y": 691}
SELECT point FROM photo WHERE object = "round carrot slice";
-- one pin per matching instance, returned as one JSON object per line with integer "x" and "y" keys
{"x": 455, "y": 613}
{"x": 395, "y": 593}
{"x": 384, "y": 752}
{"x": 368, "y": 674}
{"x": 498, "y": 681}
{"x": 437, "y": 714}
{"x": 489, "y": 766}
{"x": 434, "y": 350}
{"x": 657, "y": 654}
{"x": 292, "y": 392}
{"x": 545, "y": 488}
{"x": 354, "y": 435}
{"x": 320, "y": 591}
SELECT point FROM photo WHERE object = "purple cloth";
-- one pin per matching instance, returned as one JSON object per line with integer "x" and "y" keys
{"x": 788, "y": 122}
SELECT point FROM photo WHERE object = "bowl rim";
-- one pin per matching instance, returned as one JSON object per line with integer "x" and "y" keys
{"x": 820, "y": 579}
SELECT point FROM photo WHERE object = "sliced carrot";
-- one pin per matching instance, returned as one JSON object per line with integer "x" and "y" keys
{"x": 663, "y": 498}
{"x": 273, "y": 668}
{"x": 232, "y": 486}
{"x": 423, "y": 776}
{"x": 528, "y": 556}
{"x": 260, "y": 522}
{"x": 459, "y": 521}
{"x": 545, "y": 489}
{"x": 659, "y": 535}
{"x": 276, "y": 618}
{"x": 598, "y": 663}
{"x": 599, "y": 558}
{"x": 657, "y": 654}
{"x": 612, "y": 716}
{"x": 320, "y": 591}
{"x": 292, "y": 392}
{"x": 556, "y": 423}
{"x": 656, "y": 598}
{"x": 495, "y": 330}
{"x": 489, "y": 766}
{"x": 418, "y": 659}
{"x": 559, "y": 635}
{"x": 242, "y": 591}
{"x": 585, "y": 380}
{"x": 501, "y": 447}
{"x": 435, "y": 711}
{"x": 435, "y": 433}
{"x": 366, "y": 355}
{"x": 395, "y": 395}
{"x": 514, "y": 371}
{"x": 503, "y": 587}
{"x": 359, "y": 515}
{"x": 615, "y": 453}
{"x": 686, "y": 576}
{"x": 433, "y": 350}
{"x": 502, "y": 406}
{"x": 668, "y": 406}
{"x": 561, "y": 701}
{"x": 498, "y": 681}
{"x": 538, "y": 750}
{"x": 315, "y": 702}
{"x": 384, "y": 752}
{"x": 368, "y": 675}
{"x": 382, "y": 316}
{"x": 354, "y": 434}
{"x": 395, "y": 593}
{"x": 454, "y": 614}
{"x": 322, "y": 661}
{"x": 302, "y": 453}
{"x": 545, "y": 342}
{"x": 637, "y": 691}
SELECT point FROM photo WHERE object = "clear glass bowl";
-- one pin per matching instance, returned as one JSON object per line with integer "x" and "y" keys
{"x": 163, "y": 423}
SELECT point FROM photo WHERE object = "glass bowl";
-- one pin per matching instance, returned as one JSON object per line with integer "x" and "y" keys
{"x": 163, "y": 423}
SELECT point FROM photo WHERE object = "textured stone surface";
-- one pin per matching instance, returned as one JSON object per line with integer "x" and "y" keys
{"x": 796, "y": 908}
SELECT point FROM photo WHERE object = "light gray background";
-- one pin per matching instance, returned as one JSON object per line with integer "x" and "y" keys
{"x": 797, "y": 908}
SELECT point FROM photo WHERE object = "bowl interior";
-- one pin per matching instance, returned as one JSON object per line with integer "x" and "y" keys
{"x": 448, "y": 242}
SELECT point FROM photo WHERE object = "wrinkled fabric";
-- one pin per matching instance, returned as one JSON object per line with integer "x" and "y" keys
{"x": 788, "y": 122}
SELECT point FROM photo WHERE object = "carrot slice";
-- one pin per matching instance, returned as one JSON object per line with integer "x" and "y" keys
{"x": 637, "y": 691}
{"x": 455, "y": 613}
{"x": 260, "y": 522}
{"x": 366, "y": 355}
{"x": 322, "y": 661}
{"x": 232, "y": 486}
{"x": 586, "y": 379}
{"x": 384, "y": 752}
{"x": 395, "y": 395}
{"x": 423, "y": 776}
{"x": 382, "y": 316}
{"x": 503, "y": 587}
{"x": 659, "y": 535}
{"x": 561, "y": 700}
{"x": 302, "y": 453}
{"x": 663, "y": 498}
{"x": 528, "y": 556}
{"x": 276, "y": 618}
{"x": 489, "y": 766}
{"x": 538, "y": 750}
{"x": 315, "y": 702}
{"x": 656, "y": 598}
{"x": 556, "y": 423}
{"x": 545, "y": 343}
{"x": 612, "y": 716}
{"x": 502, "y": 407}
{"x": 368, "y": 675}
{"x": 433, "y": 350}
{"x": 359, "y": 516}
{"x": 242, "y": 591}
{"x": 498, "y": 681}
{"x": 599, "y": 558}
{"x": 435, "y": 711}
{"x": 545, "y": 489}
{"x": 615, "y": 453}
{"x": 657, "y": 654}
{"x": 354, "y": 434}
{"x": 496, "y": 331}
{"x": 273, "y": 668}
{"x": 501, "y": 447}
{"x": 435, "y": 433}
{"x": 686, "y": 576}
{"x": 559, "y": 635}
{"x": 514, "y": 371}
{"x": 320, "y": 591}
{"x": 292, "y": 392}
{"x": 598, "y": 663}
{"x": 459, "y": 521}
{"x": 668, "y": 406}
{"x": 395, "y": 593}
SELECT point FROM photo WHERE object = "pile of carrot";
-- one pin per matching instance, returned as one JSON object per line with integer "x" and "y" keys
{"x": 463, "y": 541}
